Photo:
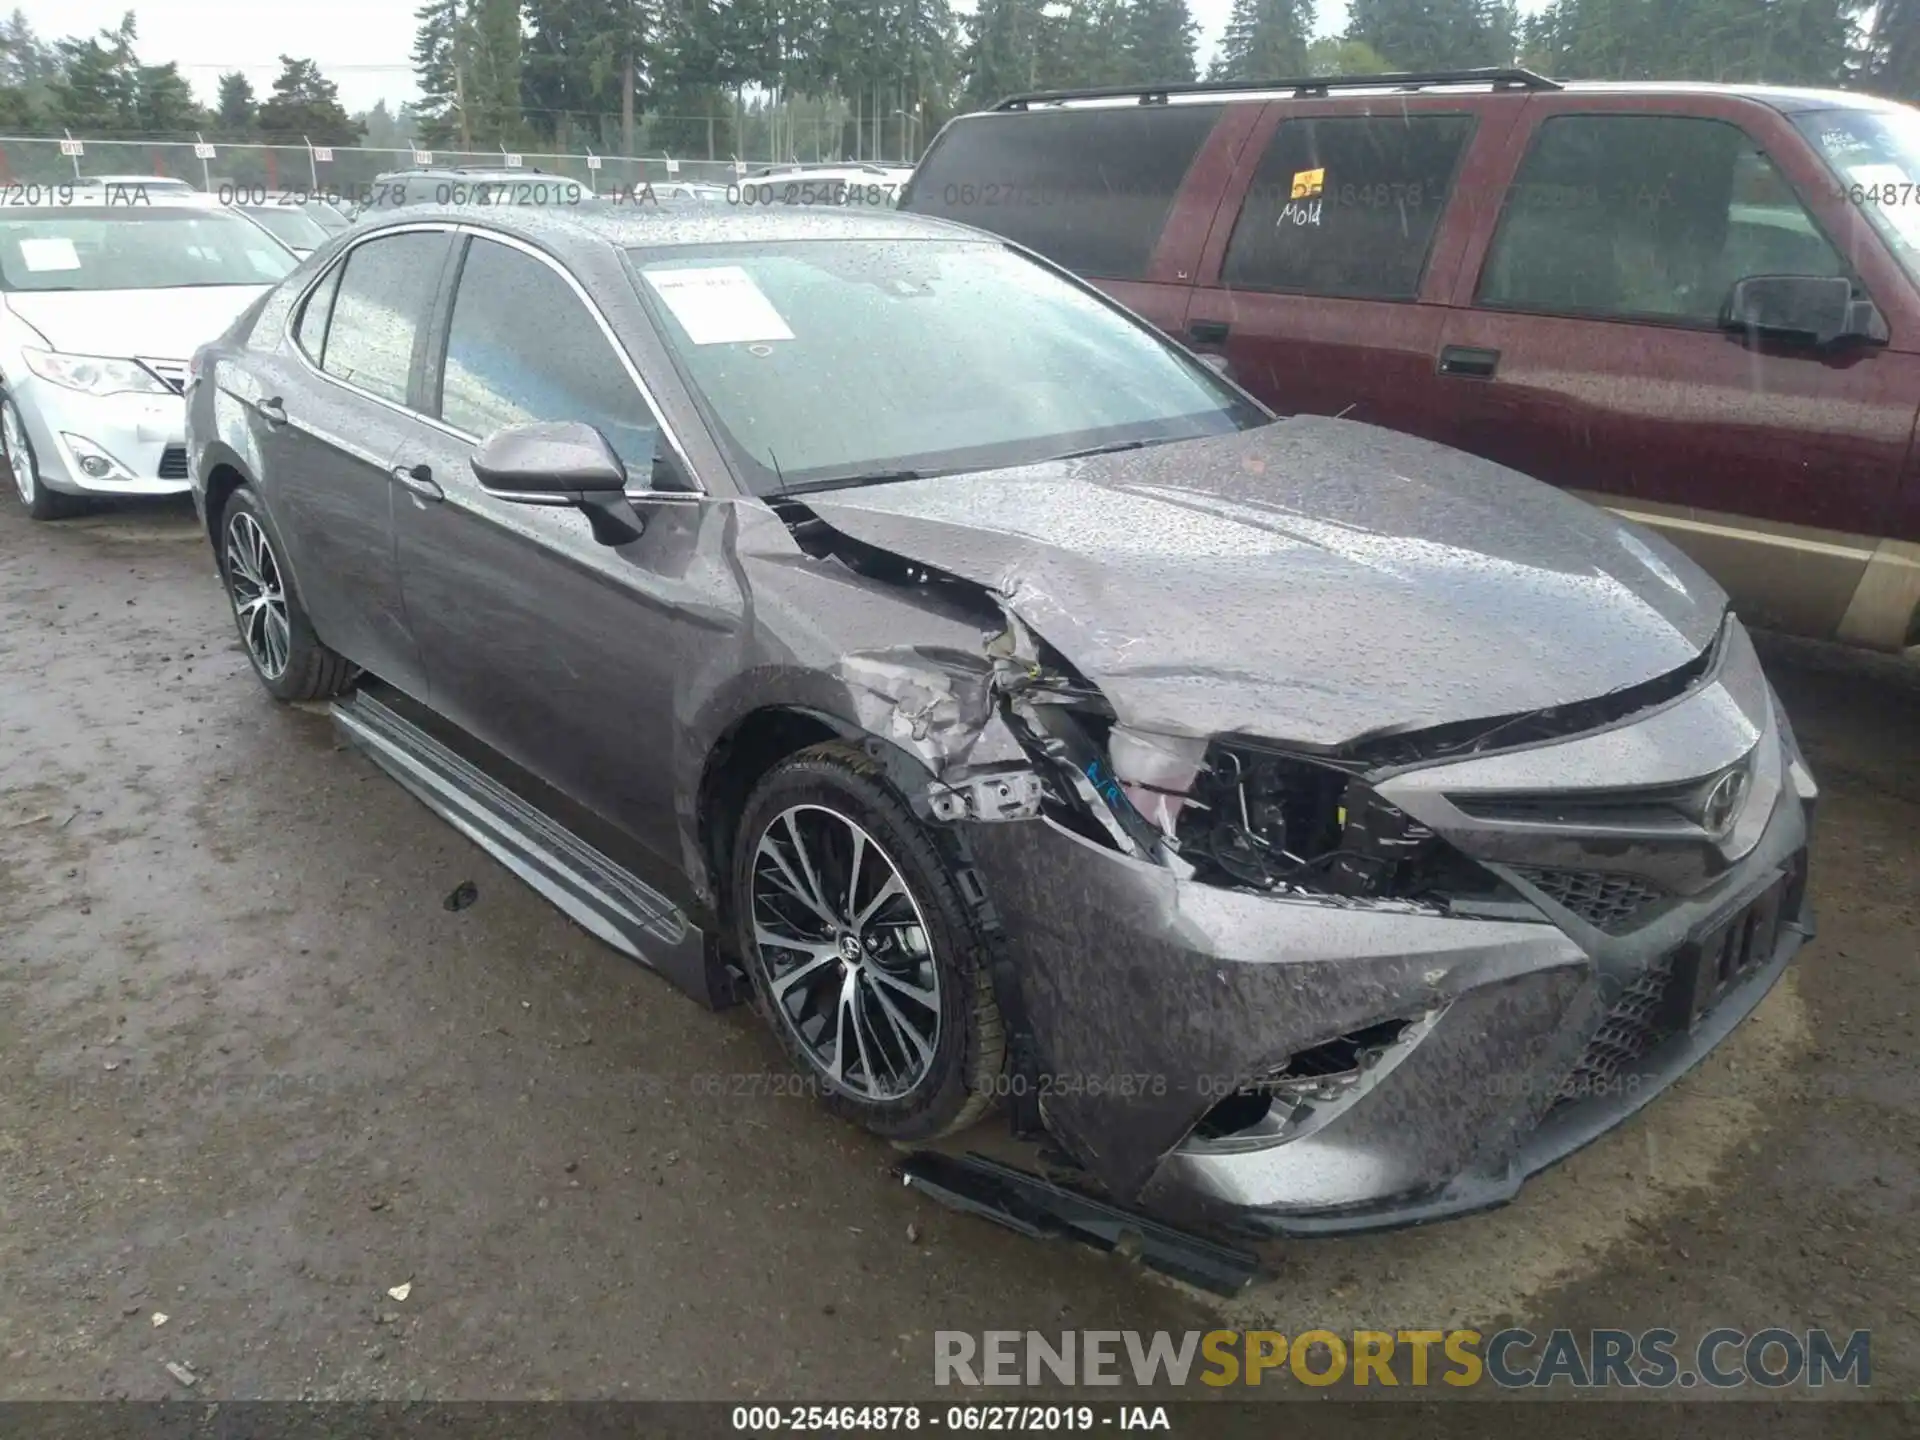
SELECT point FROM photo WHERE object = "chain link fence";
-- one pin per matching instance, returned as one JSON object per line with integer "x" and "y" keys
{"x": 348, "y": 172}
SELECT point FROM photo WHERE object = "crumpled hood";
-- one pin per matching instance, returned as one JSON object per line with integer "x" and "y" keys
{"x": 166, "y": 324}
{"x": 1313, "y": 580}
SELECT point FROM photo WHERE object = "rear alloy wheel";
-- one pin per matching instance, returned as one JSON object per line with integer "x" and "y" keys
{"x": 287, "y": 656}
{"x": 864, "y": 956}
{"x": 41, "y": 503}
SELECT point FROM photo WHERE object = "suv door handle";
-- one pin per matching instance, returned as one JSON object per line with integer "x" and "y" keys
{"x": 1466, "y": 360}
{"x": 1207, "y": 332}
{"x": 271, "y": 410}
{"x": 418, "y": 480}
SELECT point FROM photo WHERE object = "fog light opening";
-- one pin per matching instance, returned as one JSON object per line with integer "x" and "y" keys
{"x": 94, "y": 462}
{"x": 1309, "y": 1088}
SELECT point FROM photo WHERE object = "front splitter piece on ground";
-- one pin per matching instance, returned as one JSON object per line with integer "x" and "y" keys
{"x": 1042, "y": 1210}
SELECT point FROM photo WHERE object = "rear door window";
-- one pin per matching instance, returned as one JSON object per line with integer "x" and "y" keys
{"x": 1646, "y": 217}
{"x": 1090, "y": 189}
{"x": 384, "y": 297}
{"x": 1347, "y": 205}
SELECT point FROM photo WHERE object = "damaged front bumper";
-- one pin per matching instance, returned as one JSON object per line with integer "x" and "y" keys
{"x": 1153, "y": 999}
{"x": 1287, "y": 1062}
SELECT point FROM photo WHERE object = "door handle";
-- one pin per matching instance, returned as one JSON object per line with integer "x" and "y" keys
{"x": 271, "y": 410}
{"x": 418, "y": 480}
{"x": 1207, "y": 332}
{"x": 1466, "y": 360}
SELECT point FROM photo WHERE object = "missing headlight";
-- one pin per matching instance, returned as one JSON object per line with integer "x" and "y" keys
{"x": 1267, "y": 819}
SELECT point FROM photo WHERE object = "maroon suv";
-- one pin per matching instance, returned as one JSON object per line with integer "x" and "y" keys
{"x": 1695, "y": 304}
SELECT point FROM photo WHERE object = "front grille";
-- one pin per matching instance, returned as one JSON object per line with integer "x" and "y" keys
{"x": 173, "y": 463}
{"x": 1605, "y": 899}
{"x": 1638, "y": 1021}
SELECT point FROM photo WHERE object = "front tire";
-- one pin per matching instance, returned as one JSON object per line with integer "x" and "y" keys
{"x": 287, "y": 656}
{"x": 865, "y": 958}
{"x": 40, "y": 502}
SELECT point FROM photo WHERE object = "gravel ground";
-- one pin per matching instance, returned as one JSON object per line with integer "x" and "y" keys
{"x": 254, "y": 1075}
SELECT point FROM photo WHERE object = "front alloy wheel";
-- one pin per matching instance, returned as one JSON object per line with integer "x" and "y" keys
{"x": 867, "y": 960}
{"x": 849, "y": 967}
{"x": 41, "y": 503}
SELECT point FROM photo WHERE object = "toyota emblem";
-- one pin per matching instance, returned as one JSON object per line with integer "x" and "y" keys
{"x": 1722, "y": 804}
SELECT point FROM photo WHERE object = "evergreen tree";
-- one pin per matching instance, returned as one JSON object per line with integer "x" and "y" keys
{"x": 1157, "y": 40}
{"x": 27, "y": 66}
{"x": 493, "y": 74}
{"x": 1893, "y": 64}
{"x": 235, "y": 111}
{"x": 1804, "y": 42}
{"x": 439, "y": 48}
{"x": 1001, "y": 53}
{"x": 1337, "y": 55}
{"x": 163, "y": 103}
{"x": 98, "y": 88}
{"x": 25, "y": 61}
{"x": 1265, "y": 40}
{"x": 305, "y": 105}
{"x": 1437, "y": 34}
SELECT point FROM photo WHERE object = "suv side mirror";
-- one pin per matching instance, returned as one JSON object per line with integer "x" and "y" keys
{"x": 1816, "y": 310}
{"x": 565, "y": 462}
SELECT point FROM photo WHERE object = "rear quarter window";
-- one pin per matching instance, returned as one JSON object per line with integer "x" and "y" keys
{"x": 1090, "y": 189}
{"x": 1347, "y": 205}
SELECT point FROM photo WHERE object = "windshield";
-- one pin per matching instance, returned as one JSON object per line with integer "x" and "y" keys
{"x": 829, "y": 360}
{"x": 122, "y": 247}
{"x": 1876, "y": 155}
{"x": 290, "y": 224}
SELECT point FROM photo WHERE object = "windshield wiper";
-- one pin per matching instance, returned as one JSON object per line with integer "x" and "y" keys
{"x": 850, "y": 482}
{"x": 1112, "y": 449}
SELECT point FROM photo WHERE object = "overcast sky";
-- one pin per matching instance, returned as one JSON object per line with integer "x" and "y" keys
{"x": 361, "y": 45}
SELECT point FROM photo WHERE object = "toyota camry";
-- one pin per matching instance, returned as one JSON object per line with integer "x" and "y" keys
{"x": 1306, "y": 826}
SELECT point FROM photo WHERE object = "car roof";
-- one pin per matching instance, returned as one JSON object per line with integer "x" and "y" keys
{"x": 471, "y": 172}
{"x": 687, "y": 223}
{"x": 1467, "y": 86}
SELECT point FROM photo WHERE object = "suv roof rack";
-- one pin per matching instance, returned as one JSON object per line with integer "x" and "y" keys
{"x": 1499, "y": 79}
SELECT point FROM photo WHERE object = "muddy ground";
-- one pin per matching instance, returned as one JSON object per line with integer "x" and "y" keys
{"x": 253, "y": 1074}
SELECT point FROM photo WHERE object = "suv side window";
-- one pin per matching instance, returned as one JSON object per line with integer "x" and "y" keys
{"x": 1647, "y": 217}
{"x": 1089, "y": 189}
{"x": 1347, "y": 205}
{"x": 522, "y": 346}
{"x": 311, "y": 333}
{"x": 383, "y": 299}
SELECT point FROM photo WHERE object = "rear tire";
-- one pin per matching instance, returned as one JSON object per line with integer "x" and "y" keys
{"x": 880, "y": 949}
{"x": 287, "y": 656}
{"x": 40, "y": 502}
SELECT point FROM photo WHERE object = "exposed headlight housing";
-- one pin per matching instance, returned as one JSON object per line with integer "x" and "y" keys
{"x": 94, "y": 374}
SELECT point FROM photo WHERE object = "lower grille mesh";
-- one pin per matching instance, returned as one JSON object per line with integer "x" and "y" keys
{"x": 1637, "y": 1022}
{"x": 173, "y": 463}
{"x": 1605, "y": 899}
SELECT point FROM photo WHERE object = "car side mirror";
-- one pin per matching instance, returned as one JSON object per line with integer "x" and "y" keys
{"x": 568, "y": 463}
{"x": 1815, "y": 310}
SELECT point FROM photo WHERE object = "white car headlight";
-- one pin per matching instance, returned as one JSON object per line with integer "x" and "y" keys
{"x": 94, "y": 374}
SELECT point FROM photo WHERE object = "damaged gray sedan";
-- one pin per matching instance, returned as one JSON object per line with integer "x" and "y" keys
{"x": 1307, "y": 827}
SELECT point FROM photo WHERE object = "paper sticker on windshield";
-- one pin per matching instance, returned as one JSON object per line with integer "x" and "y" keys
{"x": 53, "y": 252}
{"x": 719, "y": 305}
{"x": 1308, "y": 183}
